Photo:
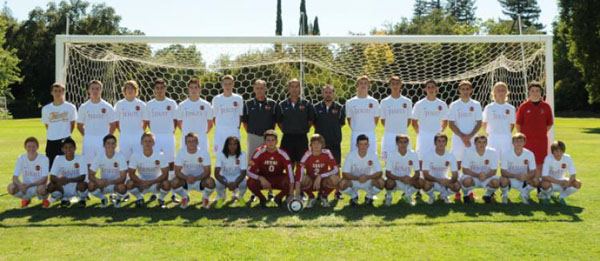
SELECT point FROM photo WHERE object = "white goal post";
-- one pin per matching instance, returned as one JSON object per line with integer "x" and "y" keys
{"x": 322, "y": 60}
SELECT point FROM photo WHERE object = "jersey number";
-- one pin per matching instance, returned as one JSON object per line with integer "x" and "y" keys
{"x": 271, "y": 168}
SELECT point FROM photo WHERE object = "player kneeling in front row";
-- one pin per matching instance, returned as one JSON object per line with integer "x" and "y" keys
{"x": 113, "y": 171}
{"x": 67, "y": 176}
{"x": 479, "y": 168}
{"x": 554, "y": 171}
{"x": 230, "y": 171}
{"x": 361, "y": 171}
{"x": 33, "y": 169}
{"x": 192, "y": 171}
{"x": 398, "y": 167}
{"x": 518, "y": 170}
{"x": 152, "y": 169}
{"x": 271, "y": 168}
{"x": 321, "y": 172}
{"x": 435, "y": 169}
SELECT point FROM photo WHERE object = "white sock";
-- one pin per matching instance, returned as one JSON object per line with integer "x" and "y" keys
{"x": 206, "y": 193}
{"x": 490, "y": 191}
{"x": 98, "y": 193}
{"x": 242, "y": 189}
{"x": 181, "y": 192}
{"x": 565, "y": 193}
{"x": 120, "y": 196}
{"x": 546, "y": 193}
{"x": 82, "y": 194}
{"x": 504, "y": 190}
{"x": 136, "y": 192}
{"x": 467, "y": 190}
{"x": 163, "y": 193}
{"x": 372, "y": 191}
{"x": 221, "y": 193}
{"x": 56, "y": 195}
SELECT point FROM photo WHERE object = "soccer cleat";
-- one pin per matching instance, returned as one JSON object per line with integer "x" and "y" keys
{"x": 368, "y": 201}
{"x": 487, "y": 199}
{"x": 466, "y": 200}
{"x": 338, "y": 195}
{"x": 279, "y": 203}
{"x": 325, "y": 202}
{"x": 65, "y": 203}
{"x": 103, "y": 203}
{"x": 563, "y": 202}
{"x": 139, "y": 203}
{"x": 174, "y": 199}
{"x": 45, "y": 203}
{"x": 184, "y": 203}
{"x": 161, "y": 203}
{"x": 457, "y": 197}
{"x": 270, "y": 196}
{"x": 408, "y": 200}
{"x": 152, "y": 198}
{"x": 82, "y": 203}
{"x": 117, "y": 203}
{"x": 388, "y": 200}
{"x": 524, "y": 199}
{"x": 252, "y": 198}
{"x": 310, "y": 203}
{"x": 447, "y": 200}
{"x": 206, "y": 203}
{"x": 126, "y": 198}
{"x": 112, "y": 198}
{"x": 554, "y": 198}
{"x": 354, "y": 201}
{"x": 263, "y": 203}
{"x": 220, "y": 203}
{"x": 430, "y": 200}
{"x": 471, "y": 197}
{"x": 418, "y": 195}
{"x": 505, "y": 199}
{"x": 25, "y": 202}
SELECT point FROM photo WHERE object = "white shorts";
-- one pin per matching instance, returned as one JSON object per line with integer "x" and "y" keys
{"x": 129, "y": 144}
{"x": 388, "y": 144}
{"x": 501, "y": 143}
{"x": 477, "y": 183}
{"x": 372, "y": 140}
{"x": 202, "y": 141}
{"x": 221, "y": 134}
{"x": 356, "y": 185}
{"x": 197, "y": 186}
{"x": 458, "y": 147}
{"x": 557, "y": 187}
{"x": 517, "y": 184}
{"x": 165, "y": 142}
{"x": 92, "y": 146}
{"x": 425, "y": 143}
{"x": 154, "y": 189}
{"x": 108, "y": 189}
{"x": 70, "y": 190}
{"x": 221, "y": 187}
{"x": 443, "y": 190}
{"x": 401, "y": 186}
{"x": 29, "y": 193}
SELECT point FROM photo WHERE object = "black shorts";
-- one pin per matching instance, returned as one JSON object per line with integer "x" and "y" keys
{"x": 295, "y": 145}
{"x": 53, "y": 149}
{"x": 336, "y": 151}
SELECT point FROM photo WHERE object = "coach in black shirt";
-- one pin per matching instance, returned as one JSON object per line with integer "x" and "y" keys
{"x": 330, "y": 117}
{"x": 295, "y": 115}
{"x": 259, "y": 115}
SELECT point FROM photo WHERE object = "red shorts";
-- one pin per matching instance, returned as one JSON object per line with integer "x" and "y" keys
{"x": 539, "y": 147}
{"x": 277, "y": 182}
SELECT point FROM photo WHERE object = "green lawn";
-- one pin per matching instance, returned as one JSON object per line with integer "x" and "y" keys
{"x": 399, "y": 232}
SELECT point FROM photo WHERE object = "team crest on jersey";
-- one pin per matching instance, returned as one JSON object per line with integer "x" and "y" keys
{"x": 201, "y": 107}
{"x": 404, "y": 105}
{"x": 471, "y": 108}
{"x": 157, "y": 162}
{"x": 168, "y": 107}
{"x": 251, "y": 163}
{"x": 137, "y": 108}
{"x": 507, "y": 112}
{"x": 37, "y": 167}
{"x": 541, "y": 111}
{"x": 237, "y": 161}
{"x": 370, "y": 163}
{"x": 199, "y": 159}
{"x": 301, "y": 107}
{"x": 564, "y": 166}
{"x": 440, "y": 108}
{"x": 410, "y": 163}
{"x": 234, "y": 104}
{"x": 525, "y": 162}
{"x": 486, "y": 162}
{"x": 334, "y": 111}
{"x": 76, "y": 165}
{"x": 103, "y": 110}
{"x": 116, "y": 164}
{"x": 447, "y": 163}
{"x": 370, "y": 105}
{"x": 267, "y": 107}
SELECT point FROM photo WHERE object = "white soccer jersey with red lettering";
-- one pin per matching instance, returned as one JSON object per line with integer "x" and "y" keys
{"x": 480, "y": 163}
{"x": 130, "y": 115}
{"x": 356, "y": 165}
{"x": 430, "y": 114}
{"x": 499, "y": 117}
{"x": 557, "y": 169}
{"x": 69, "y": 168}
{"x": 231, "y": 166}
{"x": 31, "y": 170}
{"x": 227, "y": 110}
{"x": 148, "y": 168}
{"x": 465, "y": 114}
{"x": 396, "y": 113}
{"x": 96, "y": 117}
{"x": 192, "y": 163}
{"x": 194, "y": 116}
{"x": 518, "y": 164}
{"x": 439, "y": 165}
{"x": 161, "y": 114}
{"x": 110, "y": 169}
{"x": 402, "y": 165}
{"x": 362, "y": 112}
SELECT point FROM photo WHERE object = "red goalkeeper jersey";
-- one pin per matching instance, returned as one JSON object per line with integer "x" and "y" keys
{"x": 323, "y": 165}
{"x": 270, "y": 164}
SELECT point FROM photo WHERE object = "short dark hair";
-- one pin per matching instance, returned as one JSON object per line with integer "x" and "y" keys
{"x": 534, "y": 84}
{"x": 108, "y": 137}
{"x": 159, "y": 81}
{"x": 33, "y": 140}
{"x": 402, "y": 137}
{"x": 361, "y": 137}
{"x": 146, "y": 134}
{"x": 238, "y": 151}
{"x": 480, "y": 136}
{"x": 440, "y": 135}
{"x": 428, "y": 81}
{"x": 558, "y": 145}
{"x": 66, "y": 141}
{"x": 92, "y": 82}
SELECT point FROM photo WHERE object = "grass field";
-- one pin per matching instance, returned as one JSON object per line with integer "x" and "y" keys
{"x": 433, "y": 232}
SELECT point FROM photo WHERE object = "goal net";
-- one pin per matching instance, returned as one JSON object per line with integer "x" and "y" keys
{"x": 316, "y": 61}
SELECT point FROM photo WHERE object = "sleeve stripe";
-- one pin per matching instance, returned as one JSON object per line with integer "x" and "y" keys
{"x": 333, "y": 171}
{"x": 250, "y": 174}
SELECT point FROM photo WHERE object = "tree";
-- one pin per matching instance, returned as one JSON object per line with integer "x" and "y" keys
{"x": 9, "y": 70}
{"x": 528, "y": 9}
{"x": 303, "y": 19}
{"x": 278, "y": 21}
{"x": 463, "y": 10}
{"x": 315, "y": 27}
{"x": 420, "y": 8}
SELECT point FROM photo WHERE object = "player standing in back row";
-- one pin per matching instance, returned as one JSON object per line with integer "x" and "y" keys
{"x": 59, "y": 118}
{"x": 396, "y": 112}
{"x": 228, "y": 108}
{"x": 362, "y": 112}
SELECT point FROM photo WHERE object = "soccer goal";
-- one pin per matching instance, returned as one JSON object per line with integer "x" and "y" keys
{"x": 314, "y": 60}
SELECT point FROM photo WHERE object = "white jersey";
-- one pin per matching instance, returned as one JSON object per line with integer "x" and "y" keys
{"x": 69, "y": 169}
{"x": 518, "y": 164}
{"x": 231, "y": 167}
{"x": 161, "y": 114}
{"x": 96, "y": 117}
{"x": 478, "y": 163}
{"x": 58, "y": 119}
{"x": 402, "y": 165}
{"x": 499, "y": 117}
{"x": 438, "y": 166}
{"x": 396, "y": 113}
{"x": 228, "y": 110}
{"x": 192, "y": 164}
{"x": 356, "y": 165}
{"x": 148, "y": 168}
{"x": 194, "y": 116}
{"x": 130, "y": 115}
{"x": 557, "y": 169}
{"x": 31, "y": 170}
{"x": 362, "y": 112}
{"x": 465, "y": 114}
{"x": 110, "y": 169}
{"x": 430, "y": 115}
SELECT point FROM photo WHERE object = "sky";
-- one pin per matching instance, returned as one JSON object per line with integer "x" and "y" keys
{"x": 257, "y": 17}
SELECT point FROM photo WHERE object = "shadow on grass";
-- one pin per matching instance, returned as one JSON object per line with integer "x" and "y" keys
{"x": 591, "y": 130}
{"x": 233, "y": 215}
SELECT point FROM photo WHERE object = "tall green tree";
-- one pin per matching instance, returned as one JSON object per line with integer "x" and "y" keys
{"x": 315, "y": 27}
{"x": 9, "y": 70}
{"x": 303, "y": 19}
{"x": 278, "y": 21}
{"x": 528, "y": 9}
{"x": 463, "y": 10}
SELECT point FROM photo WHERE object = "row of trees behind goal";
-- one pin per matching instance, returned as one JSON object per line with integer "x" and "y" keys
{"x": 28, "y": 46}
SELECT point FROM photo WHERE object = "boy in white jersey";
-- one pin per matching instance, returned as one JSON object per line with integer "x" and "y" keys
{"x": 67, "y": 175}
{"x": 435, "y": 169}
{"x": 398, "y": 167}
{"x": 195, "y": 114}
{"x": 499, "y": 120}
{"x": 192, "y": 171}
{"x": 428, "y": 118}
{"x": 96, "y": 119}
{"x": 554, "y": 172}
{"x": 59, "y": 118}
{"x": 113, "y": 170}
{"x": 129, "y": 113}
{"x": 464, "y": 119}
{"x": 152, "y": 169}
{"x": 518, "y": 170}
{"x": 230, "y": 171}
{"x": 396, "y": 111}
{"x": 479, "y": 170}
{"x": 32, "y": 167}
{"x": 361, "y": 171}
{"x": 160, "y": 116}
{"x": 228, "y": 109}
{"x": 362, "y": 112}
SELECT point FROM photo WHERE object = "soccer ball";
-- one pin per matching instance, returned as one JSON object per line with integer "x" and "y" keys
{"x": 295, "y": 206}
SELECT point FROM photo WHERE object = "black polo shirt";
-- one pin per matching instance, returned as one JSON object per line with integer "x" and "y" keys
{"x": 295, "y": 118}
{"x": 260, "y": 116}
{"x": 329, "y": 121}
